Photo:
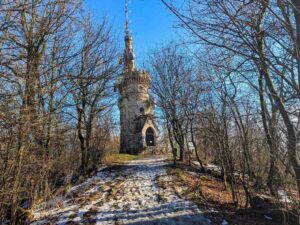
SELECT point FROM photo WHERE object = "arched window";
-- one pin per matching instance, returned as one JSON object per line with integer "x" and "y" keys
{"x": 142, "y": 110}
{"x": 150, "y": 137}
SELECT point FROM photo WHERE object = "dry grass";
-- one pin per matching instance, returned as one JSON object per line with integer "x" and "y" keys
{"x": 214, "y": 190}
{"x": 209, "y": 188}
{"x": 216, "y": 202}
{"x": 205, "y": 188}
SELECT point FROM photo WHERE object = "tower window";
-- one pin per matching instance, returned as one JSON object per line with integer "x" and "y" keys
{"x": 142, "y": 110}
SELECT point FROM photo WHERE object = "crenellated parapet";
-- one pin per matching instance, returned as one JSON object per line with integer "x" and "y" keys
{"x": 135, "y": 76}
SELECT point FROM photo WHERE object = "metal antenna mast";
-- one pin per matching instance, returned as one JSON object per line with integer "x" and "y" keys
{"x": 126, "y": 17}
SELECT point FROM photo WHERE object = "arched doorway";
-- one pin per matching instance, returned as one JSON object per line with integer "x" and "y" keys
{"x": 150, "y": 137}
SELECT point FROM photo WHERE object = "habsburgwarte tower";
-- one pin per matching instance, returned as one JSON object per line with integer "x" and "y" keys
{"x": 138, "y": 128}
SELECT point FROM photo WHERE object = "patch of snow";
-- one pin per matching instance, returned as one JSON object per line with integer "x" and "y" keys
{"x": 214, "y": 167}
{"x": 209, "y": 166}
{"x": 283, "y": 196}
{"x": 130, "y": 194}
{"x": 225, "y": 222}
{"x": 267, "y": 217}
{"x": 213, "y": 210}
{"x": 196, "y": 163}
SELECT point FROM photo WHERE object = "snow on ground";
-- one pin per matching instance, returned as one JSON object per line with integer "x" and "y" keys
{"x": 283, "y": 196}
{"x": 127, "y": 194}
{"x": 224, "y": 222}
{"x": 209, "y": 166}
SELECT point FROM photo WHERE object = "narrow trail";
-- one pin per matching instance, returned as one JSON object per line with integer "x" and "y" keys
{"x": 128, "y": 194}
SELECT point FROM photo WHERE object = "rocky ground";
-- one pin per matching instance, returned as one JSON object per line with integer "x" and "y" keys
{"x": 139, "y": 192}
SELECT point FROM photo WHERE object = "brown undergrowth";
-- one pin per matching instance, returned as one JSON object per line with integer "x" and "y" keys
{"x": 216, "y": 203}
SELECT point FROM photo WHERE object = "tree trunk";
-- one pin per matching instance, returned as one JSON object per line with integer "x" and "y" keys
{"x": 81, "y": 138}
{"x": 291, "y": 133}
{"x": 174, "y": 150}
{"x": 195, "y": 145}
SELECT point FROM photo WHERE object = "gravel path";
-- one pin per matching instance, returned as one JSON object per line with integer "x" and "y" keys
{"x": 127, "y": 194}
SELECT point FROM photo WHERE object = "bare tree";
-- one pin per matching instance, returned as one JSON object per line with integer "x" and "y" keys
{"x": 91, "y": 77}
{"x": 171, "y": 72}
{"x": 42, "y": 66}
{"x": 259, "y": 42}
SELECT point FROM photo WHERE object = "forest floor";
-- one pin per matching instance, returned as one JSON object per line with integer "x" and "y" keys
{"x": 148, "y": 190}
{"x": 138, "y": 192}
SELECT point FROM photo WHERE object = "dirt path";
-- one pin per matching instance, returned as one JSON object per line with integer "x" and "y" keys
{"x": 127, "y": 194}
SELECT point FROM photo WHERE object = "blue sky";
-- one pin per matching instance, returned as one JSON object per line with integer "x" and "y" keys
{"x": 151, "y": 23}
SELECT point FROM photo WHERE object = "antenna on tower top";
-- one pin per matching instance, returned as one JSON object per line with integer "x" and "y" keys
{"x": 128, "y": 53}
{"x": 126, "y": 18}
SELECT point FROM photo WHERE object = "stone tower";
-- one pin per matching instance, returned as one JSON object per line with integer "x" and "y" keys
{"x": 138, "y": 128}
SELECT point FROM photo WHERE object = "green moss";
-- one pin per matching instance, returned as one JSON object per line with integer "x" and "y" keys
{"x": 121, "y": 158}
